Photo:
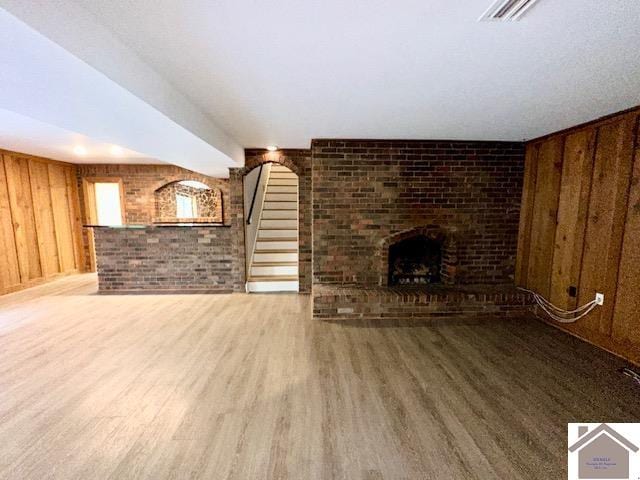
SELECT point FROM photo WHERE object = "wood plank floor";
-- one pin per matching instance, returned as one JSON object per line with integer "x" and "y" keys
{"x": 249, "y": 387}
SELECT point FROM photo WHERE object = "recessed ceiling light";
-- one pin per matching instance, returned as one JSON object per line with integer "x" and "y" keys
{"x": 272, "y": 148}
{"x": 80, "y": 150}
{"x": 116, "y": 150}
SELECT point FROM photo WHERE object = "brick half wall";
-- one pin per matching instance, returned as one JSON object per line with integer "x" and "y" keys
{"x": 140, "y": 183}
{"x": 164, "y": 259}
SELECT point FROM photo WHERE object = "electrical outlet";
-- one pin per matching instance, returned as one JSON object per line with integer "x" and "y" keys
{"x": 599, "y": 298}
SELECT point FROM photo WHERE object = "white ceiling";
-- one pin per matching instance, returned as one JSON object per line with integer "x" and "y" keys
{"x": 283, "y": 72}
{"x": 49, "y": 77}
{"x": 23, "y": 134}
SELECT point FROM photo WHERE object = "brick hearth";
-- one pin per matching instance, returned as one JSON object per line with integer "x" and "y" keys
{"x": 431, "y": 302}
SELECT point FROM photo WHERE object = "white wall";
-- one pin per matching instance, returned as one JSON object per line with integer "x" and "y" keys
{"x": 251, "y": 231}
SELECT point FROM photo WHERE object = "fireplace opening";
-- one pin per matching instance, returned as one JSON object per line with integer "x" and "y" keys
{"x": 415, "y": 261}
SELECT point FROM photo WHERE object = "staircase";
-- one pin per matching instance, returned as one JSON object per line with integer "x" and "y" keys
{"x": 274, "y": 265}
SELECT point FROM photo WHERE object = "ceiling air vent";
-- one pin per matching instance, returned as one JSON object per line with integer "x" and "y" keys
{"x": 506, "y": 10}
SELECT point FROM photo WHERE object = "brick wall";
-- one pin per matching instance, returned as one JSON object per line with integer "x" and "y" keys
{"x": 365, "y": 195}
{"x": 208, "y": 203}
{"x": 139, "y": 184}
{"x": 164, "y": 259}
{"x": 141, "y": 181}
{"x": 298, "y": 161}
{"x": 365, "y": 192}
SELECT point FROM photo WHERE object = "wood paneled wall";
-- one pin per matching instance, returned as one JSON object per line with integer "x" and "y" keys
{"x": 40, "y": 234}
{"x": 580, "y": 227}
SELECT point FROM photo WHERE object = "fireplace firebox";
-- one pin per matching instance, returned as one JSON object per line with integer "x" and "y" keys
{"x": 415, "y": 261}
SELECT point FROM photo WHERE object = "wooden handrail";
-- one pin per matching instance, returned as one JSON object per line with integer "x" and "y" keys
{"x": 255, "y": 192}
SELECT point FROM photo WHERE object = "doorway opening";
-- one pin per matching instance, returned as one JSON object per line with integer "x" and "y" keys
{"x": 271, "y": 229}
{"x": 104, "y": 205}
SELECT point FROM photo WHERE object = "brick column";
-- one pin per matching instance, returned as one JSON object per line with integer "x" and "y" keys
{"x": 236, "y": 219}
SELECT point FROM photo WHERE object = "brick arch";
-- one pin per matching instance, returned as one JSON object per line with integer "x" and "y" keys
{"x": 446, "y": 235}
{"x": 299, "y": 162}
{"x": 267, "y": 157}
{"x": 178, "y": 177}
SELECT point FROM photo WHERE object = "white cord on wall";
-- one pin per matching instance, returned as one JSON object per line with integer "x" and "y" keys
{"x": 561, "y": 315}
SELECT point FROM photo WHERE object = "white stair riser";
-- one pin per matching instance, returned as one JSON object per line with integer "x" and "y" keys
{"x": 289, "y": 176}
{"x": 282, "y": 189}
{"x": 257, "y": 287}
{"x": 277, "y": 234}
{"x": 286, "y": 214}
{"x": 274, "y": 270}
{"x": 283, "y": 181}
{"x": 283, "y": 245}
{"x": 281, "y": 197}
{"x": 281, "y": 206}
{"x": 275, "y": 257}
{"x": 266, "y": 223}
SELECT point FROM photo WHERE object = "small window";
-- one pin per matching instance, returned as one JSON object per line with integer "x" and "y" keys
{"x": 187, "y": 206}
{"x": 108, "y": 208}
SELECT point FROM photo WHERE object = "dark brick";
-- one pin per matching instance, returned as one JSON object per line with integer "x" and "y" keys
{"x": 164, "y": 259}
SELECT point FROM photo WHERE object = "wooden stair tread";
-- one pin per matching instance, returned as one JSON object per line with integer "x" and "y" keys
{"x": 276, "y": 239}
{"x": 271, "y": 250}
{"x": 275, "y": 278}
{"x": 278, "y": 229}
{"x": 275, "y": 264}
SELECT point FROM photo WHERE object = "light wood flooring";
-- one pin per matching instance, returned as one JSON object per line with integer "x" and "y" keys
{"x": 249, "y": 387}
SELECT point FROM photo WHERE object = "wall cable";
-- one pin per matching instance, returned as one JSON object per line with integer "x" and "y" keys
{"x": 559, "y": 314}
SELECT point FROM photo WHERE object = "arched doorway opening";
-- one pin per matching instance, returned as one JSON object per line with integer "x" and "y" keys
{"x": 271, "y": 206}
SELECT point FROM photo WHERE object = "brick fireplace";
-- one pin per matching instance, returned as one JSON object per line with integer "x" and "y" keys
{"x": 404, "y": 228}
{"x": 419, "y": 256}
